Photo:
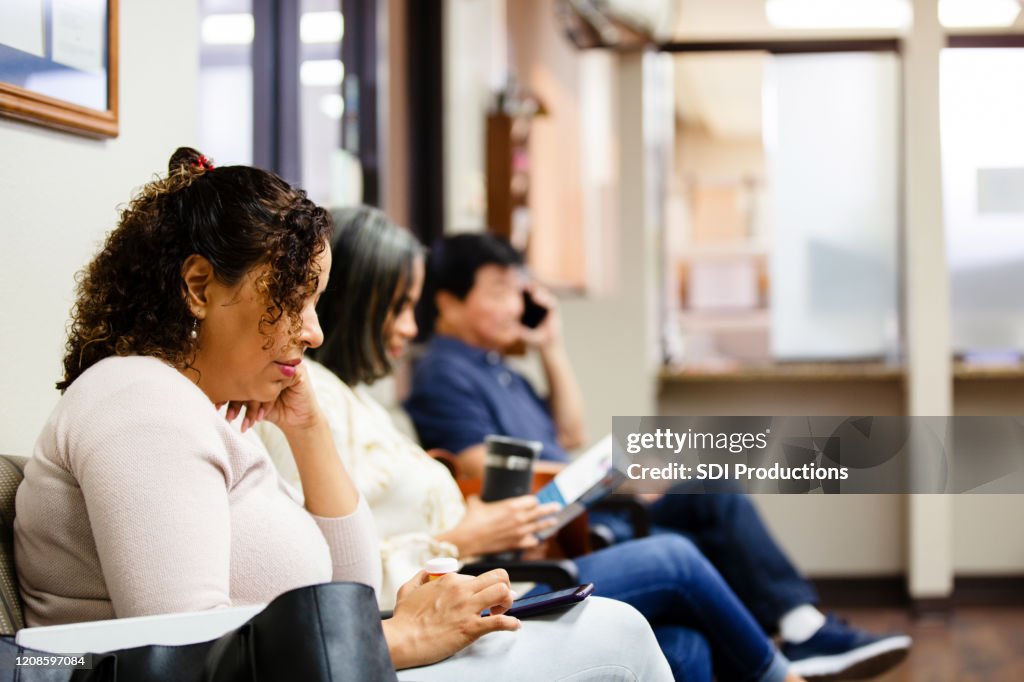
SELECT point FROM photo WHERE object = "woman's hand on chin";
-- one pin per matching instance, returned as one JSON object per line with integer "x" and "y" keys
{"x": 294, "y": 409}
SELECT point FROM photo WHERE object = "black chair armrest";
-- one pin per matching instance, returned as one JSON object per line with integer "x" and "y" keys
{"x": 558, "y": 574}
{"x": 638, "y": 516}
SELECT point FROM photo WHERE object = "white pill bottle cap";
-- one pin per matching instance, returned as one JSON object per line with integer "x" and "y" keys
{"x": 441, "y": 565}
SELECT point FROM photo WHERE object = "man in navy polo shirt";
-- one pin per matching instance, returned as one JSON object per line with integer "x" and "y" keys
{"x": 463, "y": 391}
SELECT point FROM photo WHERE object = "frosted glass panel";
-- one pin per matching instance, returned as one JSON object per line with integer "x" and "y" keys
{"x": 226, "y": 29}
{"x": 982, "y": 98}
{"x": 831, "y": 134}
{"x": 327, "y": 171}
{"x": 225, "y": 113}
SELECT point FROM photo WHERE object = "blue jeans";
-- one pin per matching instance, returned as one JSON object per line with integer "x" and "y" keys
{"x": 698, "y": 621}
{"x": 728, "y": 530}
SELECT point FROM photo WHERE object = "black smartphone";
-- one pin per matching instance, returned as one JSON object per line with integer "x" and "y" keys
{"x": 549, "y": 601}
{"x": 533, "y": 312}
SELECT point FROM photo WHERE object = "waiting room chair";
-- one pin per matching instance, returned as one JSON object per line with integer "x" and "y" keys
{"x": 12, "y": 613}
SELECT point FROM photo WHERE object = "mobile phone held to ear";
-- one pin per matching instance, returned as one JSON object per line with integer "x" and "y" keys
{"x": 533, "y": 312}
{"x": 549, "y": 601}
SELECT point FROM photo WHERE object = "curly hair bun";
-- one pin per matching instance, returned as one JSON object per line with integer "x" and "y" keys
{"x": 187, "y": 158}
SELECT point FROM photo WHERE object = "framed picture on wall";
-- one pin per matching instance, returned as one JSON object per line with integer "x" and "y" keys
{"x": 58, "y": 64}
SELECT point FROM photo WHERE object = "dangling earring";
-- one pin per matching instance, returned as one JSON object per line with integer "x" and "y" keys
{"x": 194, "y": 334}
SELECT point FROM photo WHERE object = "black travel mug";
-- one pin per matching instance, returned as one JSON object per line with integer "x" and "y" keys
{"x": 508, "y": 467}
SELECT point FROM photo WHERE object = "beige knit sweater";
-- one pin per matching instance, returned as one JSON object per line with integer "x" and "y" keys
{"x": 140, "y": 499}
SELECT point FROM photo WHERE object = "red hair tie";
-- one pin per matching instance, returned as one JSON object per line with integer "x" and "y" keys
{"x": 203, "y": 162}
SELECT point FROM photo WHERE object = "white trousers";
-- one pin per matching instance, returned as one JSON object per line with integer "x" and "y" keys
{"x": 597, "y": 639}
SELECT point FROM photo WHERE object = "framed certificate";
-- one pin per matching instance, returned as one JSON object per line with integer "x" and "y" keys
{"x": 58, "y": 64}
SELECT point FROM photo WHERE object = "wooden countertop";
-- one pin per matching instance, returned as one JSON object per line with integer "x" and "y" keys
{"x": 962, "y": 370}
{"x": 826, "y": 371}
{"x": 785, "y": 371}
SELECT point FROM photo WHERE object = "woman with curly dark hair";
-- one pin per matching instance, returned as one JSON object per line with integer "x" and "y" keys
{"x": 140, "y": 498}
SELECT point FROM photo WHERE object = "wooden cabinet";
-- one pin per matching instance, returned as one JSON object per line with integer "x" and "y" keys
{"x": 508, "y": 176}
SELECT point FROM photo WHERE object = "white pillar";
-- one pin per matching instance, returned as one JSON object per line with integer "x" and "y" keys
{"x": 635, "y": 307}
{"x": 927, "y": 295}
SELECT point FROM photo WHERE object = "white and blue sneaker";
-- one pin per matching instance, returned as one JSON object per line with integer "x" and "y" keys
{"x": 840, "y": 652}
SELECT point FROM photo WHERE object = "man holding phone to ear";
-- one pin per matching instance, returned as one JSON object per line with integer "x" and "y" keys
{"x": 477, "y": 301}
{"x": 481, "y": 308}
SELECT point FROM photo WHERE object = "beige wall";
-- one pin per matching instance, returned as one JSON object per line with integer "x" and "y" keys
{"x": 833, "y": 536}
{"x": 698, "y": 152}
{"x": 984, "y": 537}
{"x": 395, "y": 110}
{"x": 59, "y": 195}
{"x": 549, "y": 67}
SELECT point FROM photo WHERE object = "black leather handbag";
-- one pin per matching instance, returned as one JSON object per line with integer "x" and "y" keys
{"x": 322, "y": 633}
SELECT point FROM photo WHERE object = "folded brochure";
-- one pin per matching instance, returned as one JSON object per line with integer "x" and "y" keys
{"x": 590, "y": 477}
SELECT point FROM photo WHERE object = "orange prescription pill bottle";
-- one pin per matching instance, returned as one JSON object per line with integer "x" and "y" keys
{"x": 436, "y": 568}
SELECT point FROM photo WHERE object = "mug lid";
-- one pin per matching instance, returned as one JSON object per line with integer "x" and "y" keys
{"x": 516, "y": 447}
